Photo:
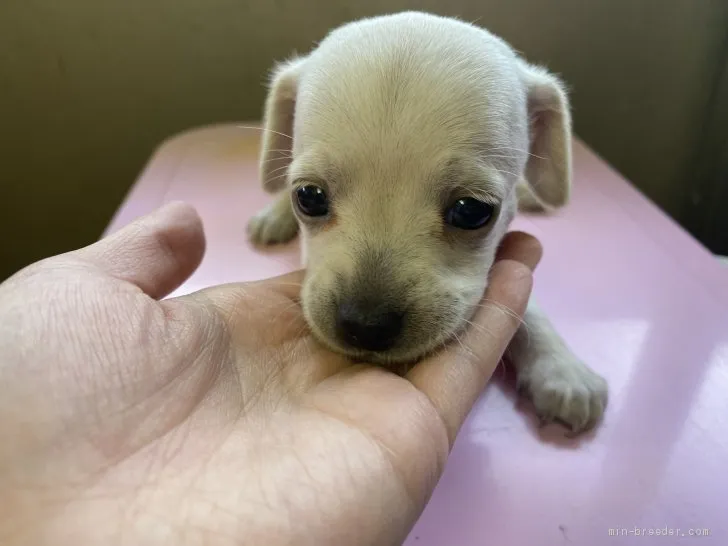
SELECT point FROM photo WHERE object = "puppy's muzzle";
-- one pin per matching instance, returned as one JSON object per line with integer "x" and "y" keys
{"x": 369, "y": 327}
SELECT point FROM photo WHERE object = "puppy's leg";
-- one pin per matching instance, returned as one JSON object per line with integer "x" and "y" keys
{"x": 560, "y": 385}
{"x": 276, "y": 223}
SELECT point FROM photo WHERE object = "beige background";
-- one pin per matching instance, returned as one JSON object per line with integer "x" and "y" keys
{"x": 89, "y": 87}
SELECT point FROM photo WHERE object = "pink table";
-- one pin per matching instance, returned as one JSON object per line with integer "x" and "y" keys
{"x": 632, "y": 293}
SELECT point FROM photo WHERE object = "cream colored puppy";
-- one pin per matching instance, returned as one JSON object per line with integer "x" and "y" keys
{"x": 412, "y": 139}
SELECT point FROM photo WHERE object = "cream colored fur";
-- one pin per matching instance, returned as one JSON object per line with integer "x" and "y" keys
{"x": 393, "y": 116}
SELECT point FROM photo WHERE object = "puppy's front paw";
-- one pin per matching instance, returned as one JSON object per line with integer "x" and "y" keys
{"x": 274, "y": 224}
{"x": 562, "y": 388}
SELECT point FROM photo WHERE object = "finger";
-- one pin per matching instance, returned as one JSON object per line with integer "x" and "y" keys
{"x": 157, "y": 252}
{"x": 520, "y": 247}
{"x": 454, "y": 378}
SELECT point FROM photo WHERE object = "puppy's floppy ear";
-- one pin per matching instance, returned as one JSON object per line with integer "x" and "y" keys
{"x": 280, "y": 105}
{"x": 547, "y": 181}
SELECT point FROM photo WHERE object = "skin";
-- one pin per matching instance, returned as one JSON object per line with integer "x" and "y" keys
{"x": 216, "y": 418}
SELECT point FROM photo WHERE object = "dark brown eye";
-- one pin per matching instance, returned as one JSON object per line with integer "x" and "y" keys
{"x": 312, "y": 200}
{"x": 469, "y": 213}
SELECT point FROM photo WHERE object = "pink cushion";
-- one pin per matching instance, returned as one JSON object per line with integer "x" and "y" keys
{"x": 634, "y": 296}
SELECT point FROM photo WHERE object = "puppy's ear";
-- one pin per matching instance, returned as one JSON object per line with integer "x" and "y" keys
{"x": 547, "y": 183}
{"x": 280, "y": 105}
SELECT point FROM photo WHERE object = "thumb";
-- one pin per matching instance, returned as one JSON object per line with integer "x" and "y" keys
{"x": 157, "y": 252}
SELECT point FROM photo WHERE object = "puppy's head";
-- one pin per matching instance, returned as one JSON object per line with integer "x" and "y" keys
{"x": 410, "y": 134}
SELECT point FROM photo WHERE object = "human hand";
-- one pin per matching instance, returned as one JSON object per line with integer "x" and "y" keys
{"x": 215, "y": 418}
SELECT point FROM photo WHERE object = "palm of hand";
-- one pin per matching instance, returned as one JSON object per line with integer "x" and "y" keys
{"x": 213, "y": 418}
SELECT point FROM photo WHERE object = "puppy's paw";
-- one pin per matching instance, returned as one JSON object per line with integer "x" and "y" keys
{"x": 274, "y": 224}
{"x": 562, "y": 388}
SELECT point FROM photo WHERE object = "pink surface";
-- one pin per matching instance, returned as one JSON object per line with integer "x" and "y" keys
{"x": 634, "y": 296}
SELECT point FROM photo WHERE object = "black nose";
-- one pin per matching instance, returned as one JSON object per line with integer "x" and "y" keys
{"x": 368, "y": 329}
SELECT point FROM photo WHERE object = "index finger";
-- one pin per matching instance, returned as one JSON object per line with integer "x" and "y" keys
{"x": 454, "y": 378}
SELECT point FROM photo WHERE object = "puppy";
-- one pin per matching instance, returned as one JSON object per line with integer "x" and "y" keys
{"x": 401, "y": 148}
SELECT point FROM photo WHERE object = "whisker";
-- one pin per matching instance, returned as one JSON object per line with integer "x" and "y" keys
{"x": 499, "y": 148}
{"x": 510, "y": 312}
{"x": 499, "y": 156}
{"x": 263, "y": 129}
{"x": 507, "y": 172}
{"x": 282, "y": 311}
{"x": 462, "y": 345}
{"x": 279, "y": 158}
{"x": 479, "y": 327}
{"x": 277, "y": 177}
{"x": 301, "y": 329}
{"x": 279, "y": 169}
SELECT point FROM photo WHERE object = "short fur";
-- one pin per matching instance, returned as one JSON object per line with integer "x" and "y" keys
{"x": 394, "y": 117}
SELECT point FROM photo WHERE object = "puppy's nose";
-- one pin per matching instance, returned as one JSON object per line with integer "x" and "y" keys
{"x": 371, "y": 330}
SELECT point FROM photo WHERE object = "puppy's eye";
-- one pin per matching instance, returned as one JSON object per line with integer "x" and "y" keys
{"x": 312, "y": 200}
{"x": 469, "y": 213}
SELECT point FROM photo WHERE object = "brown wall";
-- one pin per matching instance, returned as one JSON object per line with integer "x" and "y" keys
{"x": 89, "y": 87}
